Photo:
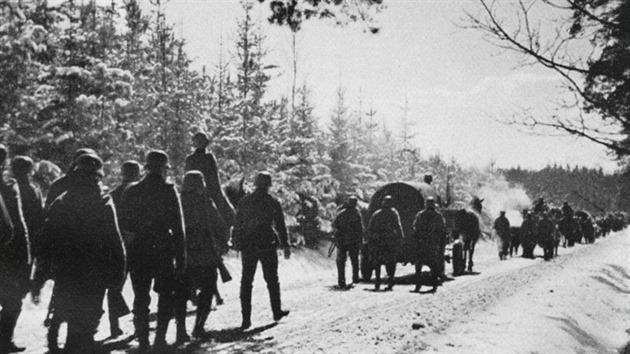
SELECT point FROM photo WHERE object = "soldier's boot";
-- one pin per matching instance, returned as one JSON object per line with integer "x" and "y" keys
{"x": 160, "y": 345}
{"x": 246, "y": 306}
{"x": 141, "y": 322}
{"x": 180, "y": 319}
{"x": 276, "y": 302}
{"x": 377, "y": 276}
{"x": 341, "y": 274}
{"x": 200, "y": 321}
{"x": 114, "y": 326}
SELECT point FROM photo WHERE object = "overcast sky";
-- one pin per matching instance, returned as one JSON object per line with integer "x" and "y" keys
{"x": 457, "y": 85}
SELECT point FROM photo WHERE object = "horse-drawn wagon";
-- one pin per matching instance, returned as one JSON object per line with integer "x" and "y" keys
{"x": 408, "y": 199}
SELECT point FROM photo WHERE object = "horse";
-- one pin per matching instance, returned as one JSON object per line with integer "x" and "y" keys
{"x": 235, "y": 190}
{"x": 464, "y": 225}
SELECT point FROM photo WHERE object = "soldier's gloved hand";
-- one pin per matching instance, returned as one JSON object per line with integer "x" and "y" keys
{"x": 287, "y": 252}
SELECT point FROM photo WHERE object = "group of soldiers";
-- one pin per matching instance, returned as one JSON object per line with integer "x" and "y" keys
{"x": 87, "y": 241}
{"x": 543, "y": 226}
{"x": 383, "y": 238}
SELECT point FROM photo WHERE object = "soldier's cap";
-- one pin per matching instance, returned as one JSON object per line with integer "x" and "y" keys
{"x": 200, "y": 136}
{"x": 157, "y": 158}
{"x": 352, "y": 201}
{"x": 193, "y": 180}
{"x": 387, "y": 201}
{"x": 21, "y": 165}
{"x": 262, "y": 180}
{"x": 502, "y": 212}
{"x": 430, "y": 201}
{"x": 82, "y": 151}
{"x": 130, "y": 169}
{"x": 90, "y": 164}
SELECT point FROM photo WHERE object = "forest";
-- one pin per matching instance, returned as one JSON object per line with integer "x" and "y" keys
{"x": 117, "y": 78}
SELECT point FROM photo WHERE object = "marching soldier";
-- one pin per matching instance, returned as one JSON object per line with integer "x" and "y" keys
{"x": 61, "y": 184}
{"x": 204, "y": 162}
{"x": 430, "y": 232}
{"x": 151, "y": 218}
{"x": 258, "y": 231}
{"x": 31, "y": 197}
{"x": 546, "y": 230}
{"x": 205, "y": 232}
{"x": 15, "y": 259}
{"x": 348, "y": 233}
{"x": 116, "y": 304}
{"x": 502, "y": 227}
{"x": 528, "y": 235}
{"x": 82, "y": 240}
{"x": 385, "y": 235}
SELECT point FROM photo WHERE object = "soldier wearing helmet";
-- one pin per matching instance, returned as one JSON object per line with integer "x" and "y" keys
{"x": 61, "y": 184}
{"x": 81, "y": 238}
{"x": 204, "y": 162}
{"x": 348, "y": 233}
{"x": 430, "y": 233}
{"x": 151, "y": 215}
{"x": 258, "y": 231}
{"x": 384, "y": 237}
{"x": 15, "y": 258}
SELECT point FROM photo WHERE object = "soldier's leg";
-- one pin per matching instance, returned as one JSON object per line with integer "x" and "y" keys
{"x": 354, "y": 259}
{"x": 208, "y": 290}
{"x": 181, "y": 295}
{"x": 141, "y": 284}
{"x": 418, "y": 276}
{"x": 83, "y": 321}
{"x": 166, "y": 285}
{"x": 391, "y": 274}
{"x": 269, "y": 262}
{"x": 11, "y": 294}
{"x": 377, "y": 276}
{"x": 116, "y": 308}
{"x": 341, "y": 265}
{"x": 249, "y": 261}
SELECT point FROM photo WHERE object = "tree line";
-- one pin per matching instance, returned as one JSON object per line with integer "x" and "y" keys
{"x": 117, "y": 78}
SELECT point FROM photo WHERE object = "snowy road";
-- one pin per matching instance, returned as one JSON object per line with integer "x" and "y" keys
{"x": 577, "y": 303}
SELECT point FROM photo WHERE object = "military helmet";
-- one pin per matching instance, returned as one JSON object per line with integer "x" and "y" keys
{"x": 193, "y": 180}
{"x": 4, "y": 152}
{"x": 428, "y": 178}
{"x": 22, "y": 165}
{"x": 388, "y": 201}
{"x": 82, "y": 151}
{"x": 429, "y": 203}
{"x": 262, "y": 180}
{"x": 90, "y": 164}
{"x": 157, "y": 158}
{"x": 130, "y": 170}
{"x": 200, "y": 136}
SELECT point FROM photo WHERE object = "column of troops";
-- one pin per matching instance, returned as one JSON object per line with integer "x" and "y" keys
{"x": 88, "y": 241}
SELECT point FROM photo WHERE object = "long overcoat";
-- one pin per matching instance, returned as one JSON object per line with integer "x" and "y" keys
{"x": 151, "y": 217}
{"x": 384, "y": 236}
{"x": 348, "y": 226}
{"x": 430, "y": 233}
{"x": 204, "y": 162}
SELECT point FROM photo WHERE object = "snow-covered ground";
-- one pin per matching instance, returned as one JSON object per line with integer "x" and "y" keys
{"x": 578, "y": 302}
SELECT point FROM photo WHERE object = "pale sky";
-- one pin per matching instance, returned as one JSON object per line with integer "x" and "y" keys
{"x": 457, "y": 85}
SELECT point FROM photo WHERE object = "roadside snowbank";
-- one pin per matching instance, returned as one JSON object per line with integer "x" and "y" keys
{"x": 584, "y": 307}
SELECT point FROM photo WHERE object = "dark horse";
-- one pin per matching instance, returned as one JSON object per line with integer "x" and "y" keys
{"x": 235, "y": 191}
{"x": 464, "y": 224}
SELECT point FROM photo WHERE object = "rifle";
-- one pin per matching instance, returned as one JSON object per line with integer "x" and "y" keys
{"x": 332, "y": 247}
